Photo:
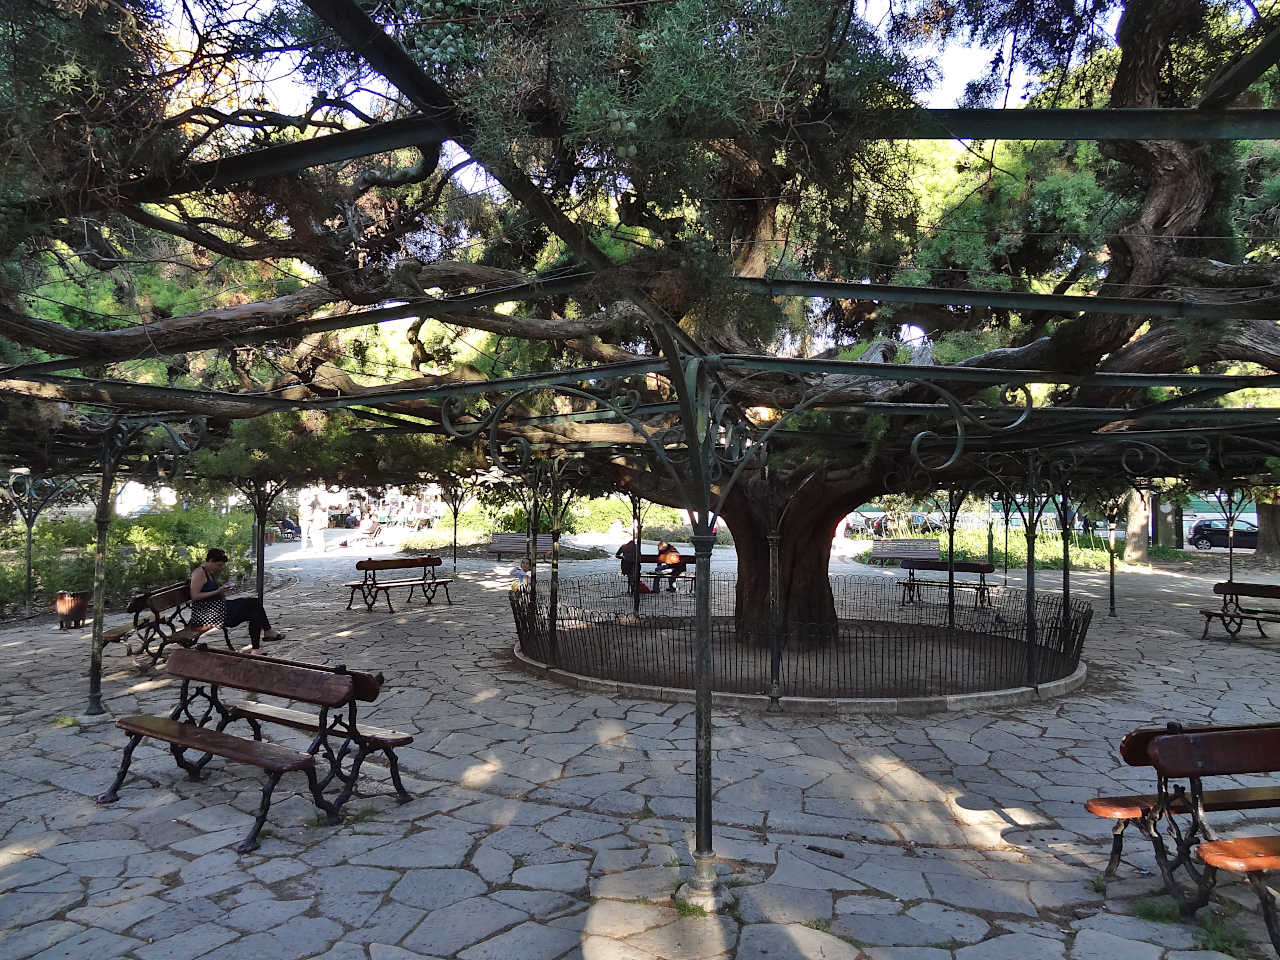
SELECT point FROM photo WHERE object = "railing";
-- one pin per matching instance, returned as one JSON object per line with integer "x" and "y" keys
{"x": 880, "y": 646}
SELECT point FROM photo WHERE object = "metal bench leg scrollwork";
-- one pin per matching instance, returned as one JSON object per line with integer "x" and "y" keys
{"x": 112, "y": 794}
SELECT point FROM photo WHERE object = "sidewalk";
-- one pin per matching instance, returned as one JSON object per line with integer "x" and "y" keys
{"x": 548, "y": 823}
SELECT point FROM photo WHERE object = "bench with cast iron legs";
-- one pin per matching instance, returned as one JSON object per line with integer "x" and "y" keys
{"x": 204, "y": 675}
{"x": 905, "y": 548}
{"x": 912, "y": 587}
{"x": 518, "y": 544}
{"x": 1233, "y": 615}
{"x": 349, "y": 740}
{"x": 369, "y": 587}
{"x": 161, "y": 619}
{"x": 1147, "y": 811}
{"x": 1225, "y": 753}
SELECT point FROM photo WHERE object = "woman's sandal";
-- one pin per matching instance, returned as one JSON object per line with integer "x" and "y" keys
{"x": 273, "y": 636}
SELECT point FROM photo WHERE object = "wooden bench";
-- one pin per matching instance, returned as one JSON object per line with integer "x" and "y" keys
{"x": 912, "y": 548}
{"x": 911, "y": 587}
{"x": 1145, "y": 811}
{"x": 1233, "y": 615}
{"x": 1195, "y": 756}
{"x": 370, "y": 586}
{"x": 518, "y": 543}
{"x": 344, "y": 727}
{"x": 656, "y": 577}
{"x": 204, "y": 674}
{"x": 160, "y": 620}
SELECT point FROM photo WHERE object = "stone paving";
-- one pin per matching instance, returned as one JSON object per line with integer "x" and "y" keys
{"x": 551, "y": 824}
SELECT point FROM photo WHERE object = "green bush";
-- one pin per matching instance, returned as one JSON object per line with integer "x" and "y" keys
{"x": 143, "y": 552}
{"x": 1086, "y": 553}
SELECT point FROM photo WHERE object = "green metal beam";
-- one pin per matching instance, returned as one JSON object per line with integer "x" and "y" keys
{"x": 1126, "y": 123}
{"x": 1057, "y": 303}
{"x": 906, "y": 373}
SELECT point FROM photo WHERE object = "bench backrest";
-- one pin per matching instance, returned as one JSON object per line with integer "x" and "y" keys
{"x": 1236, "y": 588}
{"x": 1219, "y": 753}
{"x": 1136, "y": 744}
{"x": 400, "y": 563}
{"x": 161, "y": 598}
{"x": 366, "y": 686}
{"x": 959, "y": 566}
{"x": 914, "y": 548}
{"x": 290, "y": 681}
{"x": 516, "y": 542}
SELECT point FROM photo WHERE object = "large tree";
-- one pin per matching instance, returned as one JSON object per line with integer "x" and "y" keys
{"x": 638, "y": 160}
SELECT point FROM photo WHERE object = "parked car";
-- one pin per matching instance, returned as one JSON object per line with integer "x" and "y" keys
{"x": 1207, "y": 534}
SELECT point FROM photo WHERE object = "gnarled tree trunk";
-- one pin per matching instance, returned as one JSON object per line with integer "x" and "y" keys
{"x": 1268, "y": 529}
{"x": 806, "y": 608}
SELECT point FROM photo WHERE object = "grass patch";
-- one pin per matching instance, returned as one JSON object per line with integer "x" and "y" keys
{"x": 66, "y": 722}
{"x": 647, "y": 811}
{"x": 1216, "y": 935}
{"x": 822, "y": 925}
{"x": 361, "y": 815}
{"x": 1157, "y": 910}
{"x": 687, "y": 909}
{"x": 1098, "y": 884}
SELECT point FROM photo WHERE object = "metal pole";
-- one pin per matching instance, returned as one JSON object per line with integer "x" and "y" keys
{"x": 260, "y": 507}
{"x": 456, "y": 504}
{"x": 704, "y": 873}
{"x": 951, "y": 558}
{"x": 554, "y": 592}
{"x": 30, "y": 522}
{"x": 637, "y": 532}
{"x": 775, "y": 628}
{"x": 1006, "y": 542}
{"x": 102, "y": 520}
{"x": 1111, "y": 563}
{"x": 1031, "y": 520}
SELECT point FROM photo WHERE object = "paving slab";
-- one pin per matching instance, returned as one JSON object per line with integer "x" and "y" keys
{"x": 545, "y": 817}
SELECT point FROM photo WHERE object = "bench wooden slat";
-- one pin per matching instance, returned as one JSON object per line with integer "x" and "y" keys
{"x": 271, "y": 677}
{"x": 1242, "y": 854}
{"x": 298, "y": 720}
{"x": 901, "y": 548}
{"x": 959, "y": 566}
{"x": 269, "y": 756}
{"x": 1217, "y": 753}
{"x": 1235, "y": 588}
{"x": 398, "y": 563}
{"x": 1134, "y": 745}
{"x": 366, "y": 685}
{"x": 413, "y": 582}
{"x": 501, "y": 543}
{"x": 1139, "y": 805}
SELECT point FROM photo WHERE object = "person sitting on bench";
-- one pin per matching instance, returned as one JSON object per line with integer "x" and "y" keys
{"x": 289, "y": 527}
{"x": 670, "y": 562}
{"x": 211, "y": 608}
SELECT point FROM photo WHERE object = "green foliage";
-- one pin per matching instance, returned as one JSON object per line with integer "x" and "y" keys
{"x": 143, "y": 552}
{"x": 1157, "y": 910}
{"x": 1214, "y": 934}
{"x": 1087, "y": 553}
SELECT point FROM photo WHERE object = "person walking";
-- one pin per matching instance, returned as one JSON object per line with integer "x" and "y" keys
{"x": 318, "y": 521}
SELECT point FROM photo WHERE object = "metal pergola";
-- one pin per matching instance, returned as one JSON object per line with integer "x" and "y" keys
{"x": 695, "y": 428}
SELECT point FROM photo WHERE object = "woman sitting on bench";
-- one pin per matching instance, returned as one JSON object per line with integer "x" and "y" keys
{"x": 211, "y": 608}
{"x": 670, "y": 562}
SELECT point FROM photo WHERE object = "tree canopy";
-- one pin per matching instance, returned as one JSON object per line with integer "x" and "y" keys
{"x": 513, "y": 188}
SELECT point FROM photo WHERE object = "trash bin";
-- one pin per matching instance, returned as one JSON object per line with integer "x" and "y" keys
{"x": 72, "y": 607}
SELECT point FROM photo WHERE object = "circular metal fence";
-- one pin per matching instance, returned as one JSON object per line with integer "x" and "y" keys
{"x": 886, "y": 643}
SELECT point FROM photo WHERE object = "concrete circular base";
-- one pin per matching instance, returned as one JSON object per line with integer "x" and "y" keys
{"x": 981, "y": 700}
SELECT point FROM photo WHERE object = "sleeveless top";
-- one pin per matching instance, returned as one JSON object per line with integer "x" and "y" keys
{"x": 210, "y": 612}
